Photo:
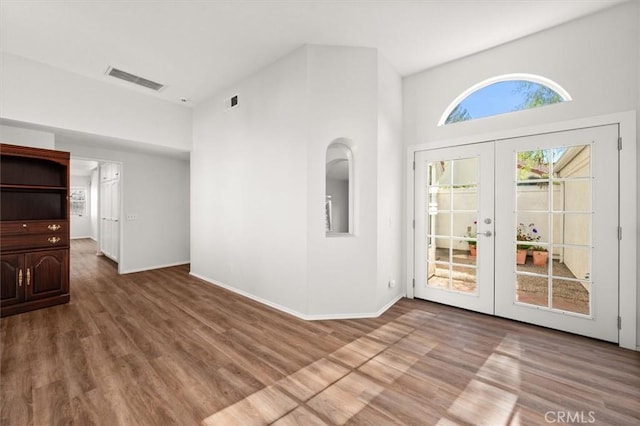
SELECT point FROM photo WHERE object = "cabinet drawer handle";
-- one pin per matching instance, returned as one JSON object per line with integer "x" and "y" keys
{"x": 20, "y": 278}
{"x": 53, "y": 240}
{"x": 28, "y": 276}
{"x": 54, "y": 227}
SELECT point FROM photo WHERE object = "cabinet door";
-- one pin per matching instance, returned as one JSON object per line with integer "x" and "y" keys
{"x": 12, "y": 279}
{"x": 114, "y": 198}
{"x": 115, "y": 219}
{"x": 105, "y": 217}
{"x": 115, "y": 240}
{"x": 105, "y": 172}
{"x": 47, "y": 273}
{"x": 115, "y": 171}
{"x": 107, "y": 200}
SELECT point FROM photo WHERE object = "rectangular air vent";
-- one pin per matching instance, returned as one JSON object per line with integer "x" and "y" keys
{"x": 231, "y": 102}
{"x": 132, "y": 78}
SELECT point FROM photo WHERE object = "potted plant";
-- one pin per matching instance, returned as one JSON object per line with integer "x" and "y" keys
{"x": 525, "y": 237}
{"x": 472, "y": 243}
{"x": 540, "y": 256}
{"x": 473, "y": 248}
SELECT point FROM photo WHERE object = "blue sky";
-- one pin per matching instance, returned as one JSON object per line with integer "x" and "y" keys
{"x": 494, "y": 99}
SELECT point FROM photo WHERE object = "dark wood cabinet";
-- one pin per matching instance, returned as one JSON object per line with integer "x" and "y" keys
{"x": 34, "y": 228}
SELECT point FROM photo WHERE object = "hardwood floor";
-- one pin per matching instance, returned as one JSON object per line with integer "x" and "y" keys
{"x": 162, "y": 348}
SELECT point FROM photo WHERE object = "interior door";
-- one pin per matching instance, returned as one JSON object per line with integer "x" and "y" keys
{"x": 454, "y": 211}
{"x": 105, "y": 218}
{"x": 558, "y": 195}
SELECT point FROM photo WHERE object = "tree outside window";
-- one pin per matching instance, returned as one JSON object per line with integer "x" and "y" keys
{"x": 506, "y": 94}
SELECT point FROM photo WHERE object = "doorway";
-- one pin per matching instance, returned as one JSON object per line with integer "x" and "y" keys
{"x": 83, "y": 198}
{"x": 102, "y": 209}
{"x": 524, "y": 228}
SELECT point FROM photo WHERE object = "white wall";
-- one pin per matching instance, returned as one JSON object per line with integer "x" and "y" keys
{"x": 258, "y": 184}
{"x": 390, "y": 184}
{"x": 342, "y": 97}
{"x": 156, "y": 189}
{"x": 81, "y": 225}
{"x": 596, "y": 58}
{"x": 248, "y": 174}
{"x": 26, "y": 137}
{"x": 47, "y": 96}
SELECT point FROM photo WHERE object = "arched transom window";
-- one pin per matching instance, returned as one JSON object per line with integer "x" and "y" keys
{"x": 502, "y": 94}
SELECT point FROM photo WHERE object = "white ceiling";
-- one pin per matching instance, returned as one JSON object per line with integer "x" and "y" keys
{"x": 199, "y": 47}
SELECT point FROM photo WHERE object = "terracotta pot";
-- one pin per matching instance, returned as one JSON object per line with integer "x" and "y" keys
{"x": 521, "y": 257}
{"x": 473, "y": 251}
{"x": 540, "y": 257}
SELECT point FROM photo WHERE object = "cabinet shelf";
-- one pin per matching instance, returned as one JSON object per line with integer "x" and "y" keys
{"x": 4, "y": 186}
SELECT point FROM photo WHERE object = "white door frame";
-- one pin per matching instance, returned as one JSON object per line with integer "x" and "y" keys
{"x": 628, "y": 304}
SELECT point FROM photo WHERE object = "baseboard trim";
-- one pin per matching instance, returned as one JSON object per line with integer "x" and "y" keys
{"x": 248, "y": 295}
{"x": 88, "y": 237}
{"x": 150, "y": 268}
{"x": 376, "y": 314}
{"x": 292, "y": 311}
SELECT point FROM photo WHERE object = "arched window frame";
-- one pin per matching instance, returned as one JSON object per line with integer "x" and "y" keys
{"x": 506, "y": 77}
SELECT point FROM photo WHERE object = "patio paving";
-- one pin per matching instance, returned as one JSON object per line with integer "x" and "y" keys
{"x": 567, "y": 295}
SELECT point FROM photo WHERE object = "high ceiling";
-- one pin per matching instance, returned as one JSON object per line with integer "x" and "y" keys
{"x": 197, "y": 48}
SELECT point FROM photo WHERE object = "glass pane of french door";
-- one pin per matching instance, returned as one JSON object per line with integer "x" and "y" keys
{"x": 553, "y": 235}
{"x": 454, "y": 226}
{"x": 561, "y": 229}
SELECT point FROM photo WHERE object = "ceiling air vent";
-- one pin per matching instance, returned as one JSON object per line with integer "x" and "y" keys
{"x": 131, "y": 78}
{"x": 231, "y": 102}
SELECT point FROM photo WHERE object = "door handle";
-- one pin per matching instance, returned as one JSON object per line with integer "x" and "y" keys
{"x": 486, "y": 233}
{"x": 28, "y": 276}
{"x": 20, "y": 278}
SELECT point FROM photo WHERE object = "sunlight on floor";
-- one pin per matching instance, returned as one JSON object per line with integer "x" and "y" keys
{"x": 486, "y": 400}
{"x": 329, "y": 388}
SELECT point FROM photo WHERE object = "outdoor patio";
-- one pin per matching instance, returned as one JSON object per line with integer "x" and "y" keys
{"x": 567, "y": 295}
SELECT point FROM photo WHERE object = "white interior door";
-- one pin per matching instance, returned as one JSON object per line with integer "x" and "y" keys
{"x": 561, "y": 191}
{"x": 110, "y": 210}
{"x": 454, "y": 215}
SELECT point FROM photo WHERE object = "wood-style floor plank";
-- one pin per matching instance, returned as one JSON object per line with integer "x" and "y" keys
{"x": 163, "y": 348}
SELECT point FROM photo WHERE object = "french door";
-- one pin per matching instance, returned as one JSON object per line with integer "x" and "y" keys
{"x": 454, "y": 213}
{"x": 548, "y": 253}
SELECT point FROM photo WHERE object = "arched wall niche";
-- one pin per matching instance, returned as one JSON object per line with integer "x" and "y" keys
{"x": 339, "y": 188}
